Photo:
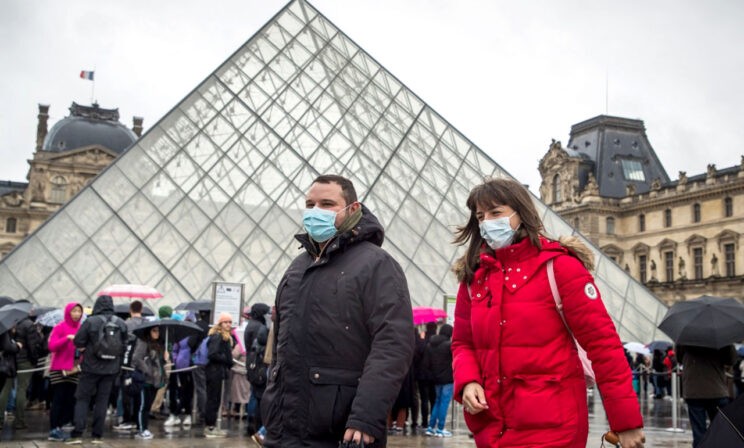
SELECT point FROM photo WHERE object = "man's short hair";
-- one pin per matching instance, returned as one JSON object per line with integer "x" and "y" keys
{"x": 135, "y": 307}
{"x": 347, "y": 188}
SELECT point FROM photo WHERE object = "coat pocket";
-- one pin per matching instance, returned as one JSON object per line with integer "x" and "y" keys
{"x": 331, "y": 393}
{"x": 536, "y": 403}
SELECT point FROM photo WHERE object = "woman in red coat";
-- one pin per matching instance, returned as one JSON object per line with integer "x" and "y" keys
{"x": 516, "y": 368}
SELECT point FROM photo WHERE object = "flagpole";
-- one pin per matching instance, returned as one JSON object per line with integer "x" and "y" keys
{"x": 93, "y": 88}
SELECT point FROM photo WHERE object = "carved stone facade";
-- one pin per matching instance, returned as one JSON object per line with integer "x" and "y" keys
{"x": 58, "y": 170}
{"x": 681, "y": 239}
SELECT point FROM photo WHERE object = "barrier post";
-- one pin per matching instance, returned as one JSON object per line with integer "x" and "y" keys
{"x": 675, "y": 403}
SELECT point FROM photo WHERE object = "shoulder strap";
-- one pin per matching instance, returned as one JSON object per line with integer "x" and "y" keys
{"x": 557, "y": 295}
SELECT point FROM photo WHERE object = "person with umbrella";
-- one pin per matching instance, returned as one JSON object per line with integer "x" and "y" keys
{"x": 9, "y": 348}
{"x": 63, "y": 371}
{"x": 10, "y": 315}
{"x": 704, "y": 385}
{"x": 32, "y": 348}
{"x": 148, "y": 360}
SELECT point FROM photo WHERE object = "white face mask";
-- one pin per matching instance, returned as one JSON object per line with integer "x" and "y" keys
{"x": 498, "y": 232}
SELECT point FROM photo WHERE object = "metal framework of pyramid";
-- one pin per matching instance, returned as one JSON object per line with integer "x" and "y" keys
{"x": 215, "y": 190}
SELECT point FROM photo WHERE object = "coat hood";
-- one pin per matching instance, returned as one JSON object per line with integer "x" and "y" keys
{"x": 103, "y": 305}
{"x": 367, "y": 229}
{"x": 68, "y": 315}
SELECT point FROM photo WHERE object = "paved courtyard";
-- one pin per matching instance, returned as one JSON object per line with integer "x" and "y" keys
{"x": 657, "y": 415}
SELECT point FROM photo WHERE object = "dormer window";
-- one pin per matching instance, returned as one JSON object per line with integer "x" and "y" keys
{"x": 633, "y": 170}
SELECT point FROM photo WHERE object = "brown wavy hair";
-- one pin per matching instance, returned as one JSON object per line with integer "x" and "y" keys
{"x": 490, "y": 193}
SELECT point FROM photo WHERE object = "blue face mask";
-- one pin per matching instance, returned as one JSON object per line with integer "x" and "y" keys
{"x": 498, "y": 232}
{"x": 319, "y": 223}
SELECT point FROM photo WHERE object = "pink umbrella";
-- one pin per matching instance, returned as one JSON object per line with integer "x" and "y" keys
{"x": 131, "y": 291}
{"x": 425, "y": 314}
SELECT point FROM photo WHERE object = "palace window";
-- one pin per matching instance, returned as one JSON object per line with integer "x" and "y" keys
{"x": 641, "y": 223}
{"x": 633, "y": 170}
{"x": 728, "y": 207}
{"x": 610, "y": 225}
{"x": 730, "y": 254}
{"x": 697, "y": 255}
{"x": 668, "y": 217}
{"x": 696, "y": 213}
{"x": 557, "y": 188}
{"x": 10, "y": 225}
{"x": 59, "y": 190}
{"x": 642, "y": 268}
{"x": 669, "y": 265}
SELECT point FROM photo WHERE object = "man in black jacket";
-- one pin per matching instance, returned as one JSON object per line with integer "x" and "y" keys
{"x": 343, "y": 322}
{"x": 98, "y": 370}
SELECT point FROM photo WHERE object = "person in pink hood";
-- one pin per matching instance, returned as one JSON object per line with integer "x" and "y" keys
{"x": 63, "y": 372}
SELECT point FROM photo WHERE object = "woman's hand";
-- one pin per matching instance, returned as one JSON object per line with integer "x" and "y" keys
{"x": 166, "y": 356}
{"x": 632, "y": 438}
{"x": 474, "y": 398}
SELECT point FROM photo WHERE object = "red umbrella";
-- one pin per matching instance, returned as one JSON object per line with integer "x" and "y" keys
{"x": 131, "y": 291}
{"x": 425, "y": 314}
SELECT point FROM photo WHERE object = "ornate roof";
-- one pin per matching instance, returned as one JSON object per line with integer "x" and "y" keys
{"x": 89, "y": 125}
{"x": 621, "y": 153}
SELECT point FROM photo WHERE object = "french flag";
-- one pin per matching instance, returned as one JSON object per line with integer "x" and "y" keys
{"x": 87, "y": 75}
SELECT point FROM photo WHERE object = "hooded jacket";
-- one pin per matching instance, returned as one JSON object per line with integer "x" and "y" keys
{"x": 344, "y": 341}
{"x": 149, "y": 360}
{"x": 509, "y": 338}
{"x": 87, "y": 336}
{"x": 62, "y": 348}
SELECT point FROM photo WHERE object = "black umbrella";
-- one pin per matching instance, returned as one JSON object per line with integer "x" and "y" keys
{"x": 37, "y": 311}
{"x": 13, "y": 313}
{"x": 123, "y": 308}
{"x": 170, "y": 329}
{"x": 727, "y": 428}
{"x": 197, "y": 305}
{"x": 663, "y": 346}
{"x": 4, "y": 300}
{"x": 707, "y": 321}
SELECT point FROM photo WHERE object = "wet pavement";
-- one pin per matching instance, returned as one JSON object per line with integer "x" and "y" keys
{"x": 657, "y": 415}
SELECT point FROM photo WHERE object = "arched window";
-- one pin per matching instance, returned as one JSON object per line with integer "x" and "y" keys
{"x": 557, "y": 188}
{"x": 59, "y": 190}
{"x": 668, "y": 217}
{"x": 696, "y": 212}
{"x": 641, "y": 222}
{"x": 728, "y": 207}
{"x": 10, "y": 225}
{"x": 610, "y": 225}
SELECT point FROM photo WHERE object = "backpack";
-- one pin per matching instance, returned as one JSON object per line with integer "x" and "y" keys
{"x": 256, "y": 370}
{"x": 201, "y": 355}
{"x": 109, "y": 344}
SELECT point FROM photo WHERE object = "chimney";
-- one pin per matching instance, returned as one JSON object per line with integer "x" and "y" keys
{"x": 137, "y": 125}
{"x": 41, "y": 128}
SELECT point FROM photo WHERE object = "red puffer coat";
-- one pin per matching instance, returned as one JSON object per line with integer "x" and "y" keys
{"x": 509, "y": 337}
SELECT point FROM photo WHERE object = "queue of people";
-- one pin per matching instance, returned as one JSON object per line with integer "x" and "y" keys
{"x": 121, "y": 368}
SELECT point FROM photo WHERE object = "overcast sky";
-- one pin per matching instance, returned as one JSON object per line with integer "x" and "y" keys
{"x": 510, "y": 75}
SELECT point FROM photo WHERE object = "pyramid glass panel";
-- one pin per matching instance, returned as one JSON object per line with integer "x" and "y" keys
{"x": 215, "y": 190}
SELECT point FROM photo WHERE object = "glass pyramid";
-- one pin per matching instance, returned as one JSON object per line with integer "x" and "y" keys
{"x": 215, "y": 190}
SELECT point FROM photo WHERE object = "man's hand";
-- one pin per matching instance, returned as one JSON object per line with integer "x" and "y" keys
{"x": 356, "y": 436}
{"x": 474, "y": 398}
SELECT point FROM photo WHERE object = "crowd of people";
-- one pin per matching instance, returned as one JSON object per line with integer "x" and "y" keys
{"x": 336, "y": 363}
{"x": 120, "y": 366}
